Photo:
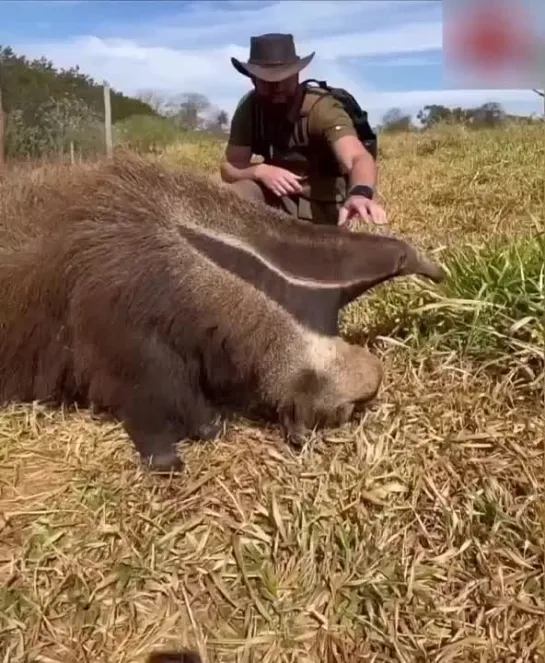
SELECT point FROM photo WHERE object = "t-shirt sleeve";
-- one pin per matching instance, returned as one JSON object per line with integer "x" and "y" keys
{"x": 329, "y": 119}
{"x": 240, "y": 134}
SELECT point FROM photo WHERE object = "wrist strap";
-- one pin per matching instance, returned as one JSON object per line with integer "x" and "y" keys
{"x": 362, "y": 190}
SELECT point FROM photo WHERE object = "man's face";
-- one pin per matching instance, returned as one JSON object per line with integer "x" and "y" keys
{"x": 281, "y": 92}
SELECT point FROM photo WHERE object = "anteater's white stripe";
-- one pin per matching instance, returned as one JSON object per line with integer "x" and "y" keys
{"x": 236, "y": 243}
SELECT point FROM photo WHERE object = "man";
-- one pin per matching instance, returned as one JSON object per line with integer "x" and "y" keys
{"x": 315, "y": 167}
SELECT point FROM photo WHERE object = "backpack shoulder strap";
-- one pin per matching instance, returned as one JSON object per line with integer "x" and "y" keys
{"x": 260, "y": 144}
{"x": 358, "y": 116}
{"x": 319, "y": 92}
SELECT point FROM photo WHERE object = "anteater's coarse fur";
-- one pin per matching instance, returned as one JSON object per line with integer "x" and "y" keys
{"x": 160, "y": 296}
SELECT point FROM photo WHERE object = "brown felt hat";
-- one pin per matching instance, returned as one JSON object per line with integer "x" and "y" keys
{"x": 272, "y": 58}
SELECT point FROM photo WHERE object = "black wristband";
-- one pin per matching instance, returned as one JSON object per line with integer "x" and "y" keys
{"x": 361, "y": 190}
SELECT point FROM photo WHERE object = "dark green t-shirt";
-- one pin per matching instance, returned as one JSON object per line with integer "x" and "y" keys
{"x": 327, "y": 119}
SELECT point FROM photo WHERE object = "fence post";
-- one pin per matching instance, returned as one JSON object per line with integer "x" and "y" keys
{"x": 108, "y": 119}
{"x": 541, "y": 93}
{"x": 2, "y": 134}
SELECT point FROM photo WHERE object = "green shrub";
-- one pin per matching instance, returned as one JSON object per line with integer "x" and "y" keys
{"x": 146, "y": 133}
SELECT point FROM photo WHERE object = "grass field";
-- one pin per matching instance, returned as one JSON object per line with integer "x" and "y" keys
{"x": 416, "y": 534}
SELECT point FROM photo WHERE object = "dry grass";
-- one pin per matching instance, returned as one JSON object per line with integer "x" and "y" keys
{"x": 414, "y": 535}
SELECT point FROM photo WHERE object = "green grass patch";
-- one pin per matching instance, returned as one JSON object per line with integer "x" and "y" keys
{"x": 491, "y": 307}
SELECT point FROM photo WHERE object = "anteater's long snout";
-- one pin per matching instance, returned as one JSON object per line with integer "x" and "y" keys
{"x": 417, "y": 263}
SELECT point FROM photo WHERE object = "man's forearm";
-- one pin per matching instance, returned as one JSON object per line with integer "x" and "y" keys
{"x": 363, "y": 171}
{"x": 233, "y": 173}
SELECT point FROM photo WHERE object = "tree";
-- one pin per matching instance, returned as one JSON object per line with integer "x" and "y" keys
{"x": 487, "y": 115}
{"x": 27, "y": 84}
{"x": 188, "y": 108}
{"x": 62, "y": 121}
{"x": 222, "y": 119}
{"x": 47, "y": 108}
{"x": 217, "y": 122}
{"x": 190, "y": 111}
{"x": 433, "y": 114}
{"x": 155, "y": 100}
{"x": 395, "y": 120}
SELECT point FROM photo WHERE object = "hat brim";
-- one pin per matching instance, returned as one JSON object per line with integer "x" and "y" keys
{"x": 271, "y": 74}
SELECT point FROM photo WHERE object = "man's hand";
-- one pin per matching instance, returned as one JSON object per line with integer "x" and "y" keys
{"x": 361, "y": 206}
{"x": 280, "y": 181}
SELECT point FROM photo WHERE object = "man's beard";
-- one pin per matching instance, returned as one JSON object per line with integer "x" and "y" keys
{"x": 276, "y": 107}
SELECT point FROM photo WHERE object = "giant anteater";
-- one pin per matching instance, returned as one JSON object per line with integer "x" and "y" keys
{"x": 163, "y": 298}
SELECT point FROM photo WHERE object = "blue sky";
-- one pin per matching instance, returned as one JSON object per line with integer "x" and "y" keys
{"x": 386, "y": 53}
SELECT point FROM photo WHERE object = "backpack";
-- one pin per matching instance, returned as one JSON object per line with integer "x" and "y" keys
{"x": 358, "y": 116}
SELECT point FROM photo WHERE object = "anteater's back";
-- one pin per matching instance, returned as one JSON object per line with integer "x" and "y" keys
{"x": 35, "y": 356}
{"x": 101, "y": 247}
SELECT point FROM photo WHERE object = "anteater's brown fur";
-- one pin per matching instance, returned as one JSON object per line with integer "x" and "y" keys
{"x": 89, "y": 293}
{"x": 105, "y": 300}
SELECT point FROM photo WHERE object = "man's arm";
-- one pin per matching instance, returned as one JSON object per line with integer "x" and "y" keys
{"x": 356, "y": 160}
{"x": 332, "y": 121}
{"x": 362, "y": 170}
{"x": 336, "y": 126}
{"x": 236, "y": 164}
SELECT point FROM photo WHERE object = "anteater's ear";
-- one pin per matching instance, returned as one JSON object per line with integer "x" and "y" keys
{"x": 183, "y": 656}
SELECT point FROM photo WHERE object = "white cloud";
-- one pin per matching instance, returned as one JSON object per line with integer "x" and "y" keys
{"x": 407, "y": 38}
{"x": 403, "y": 61}
{"x": 203, "y": 23}
{"x": 130, "y": 67}
{"x": 191, "y": 52}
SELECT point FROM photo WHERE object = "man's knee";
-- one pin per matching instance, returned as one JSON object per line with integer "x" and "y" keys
{"x": 249, "y": 190}
{"x": 254, "y": 191}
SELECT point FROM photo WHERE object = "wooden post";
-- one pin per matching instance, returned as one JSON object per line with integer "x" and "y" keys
{"x": 108, "y": 120}
{"x": 2, "y": 134}
{"x": 72, "y": 158}
{"x": 541, "y": 93}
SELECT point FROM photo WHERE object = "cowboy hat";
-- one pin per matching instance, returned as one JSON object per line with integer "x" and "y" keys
{"x": 272, "y": 58}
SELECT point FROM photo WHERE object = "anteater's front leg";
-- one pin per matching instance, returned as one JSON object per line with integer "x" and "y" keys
{"x": 149, "y": 387}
